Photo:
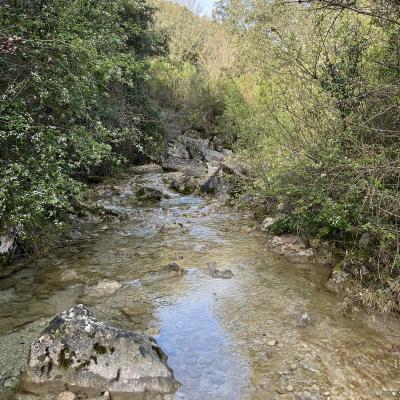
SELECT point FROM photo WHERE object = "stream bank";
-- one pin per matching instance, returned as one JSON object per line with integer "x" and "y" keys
{"x": 239, "y": 338}
{"x": 267, "y": 329}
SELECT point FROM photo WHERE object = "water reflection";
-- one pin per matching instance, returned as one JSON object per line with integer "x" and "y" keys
{"x": 201, "y": 353}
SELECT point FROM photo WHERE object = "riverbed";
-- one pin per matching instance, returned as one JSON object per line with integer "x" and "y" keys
{"x": 226, "y": 339}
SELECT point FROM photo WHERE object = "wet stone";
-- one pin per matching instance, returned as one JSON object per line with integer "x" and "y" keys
{"x": 168, "y": 271}
{"x": 66, "y": 396}
{"x": 290, "y": 388}
{"x": 136, "y": 309}
{"x": 103, "y": 288}
{"x": 69, "y": 275}
{"x": 219, "y": 273}
{"x": 304, "y": 320}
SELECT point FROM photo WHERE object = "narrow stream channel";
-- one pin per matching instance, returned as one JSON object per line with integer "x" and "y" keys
{"x": 233, "y": 339}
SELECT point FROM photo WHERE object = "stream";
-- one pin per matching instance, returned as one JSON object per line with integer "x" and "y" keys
{"x": 226, "y": 339}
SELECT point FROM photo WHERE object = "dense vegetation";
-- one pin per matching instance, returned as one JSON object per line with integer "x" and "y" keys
{"x": 308, "y": 93}
{"x": 74, "y": 103}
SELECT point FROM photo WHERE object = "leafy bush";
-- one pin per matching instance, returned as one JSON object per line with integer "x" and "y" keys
{"x": 323, "y": 132}
{"x": 73, "y": 102}
{"x": 190, "y": 80}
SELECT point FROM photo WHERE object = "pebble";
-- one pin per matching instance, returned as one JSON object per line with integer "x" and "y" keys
{"x": 304, "y": 320}
{"x": 272, "y": 343}
{"x": 315, "y": 388}
{"x": 66, "y": 396}
{"x": 293, "y": 366}
{"x": 290, "y": 388}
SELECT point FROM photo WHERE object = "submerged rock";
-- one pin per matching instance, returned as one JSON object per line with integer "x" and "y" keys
{"x": 218, "y": 273}
{"x": 173, "y": 227}
{"x": 69, "y": 275}
{"x": 288, "y": 243}
{"x": 103, "y": 288}
{"x": 137, "y": 309}
{"x": 303, "y": 320}
{"x": 85, "y": 355}
{"x": 338, "y": 281}
{"x": 165, "y": 272}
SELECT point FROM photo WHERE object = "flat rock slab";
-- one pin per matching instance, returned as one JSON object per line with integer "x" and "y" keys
{"x": 79, "y": 353}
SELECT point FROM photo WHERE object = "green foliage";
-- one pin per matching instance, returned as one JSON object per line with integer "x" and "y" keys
{"x": 190, "y": 80}
{"x": 73, "y": 102}
{"x": 310, "y": 99}
{"x": 323, "y": 133}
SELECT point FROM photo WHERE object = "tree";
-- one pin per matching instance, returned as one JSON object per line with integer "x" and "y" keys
{"x": 73, "y": 102}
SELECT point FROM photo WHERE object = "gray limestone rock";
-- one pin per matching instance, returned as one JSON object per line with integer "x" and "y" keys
{"x": 79, "y": 353}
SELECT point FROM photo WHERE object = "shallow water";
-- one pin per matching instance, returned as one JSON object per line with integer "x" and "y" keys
{"x": 216, "y": 332}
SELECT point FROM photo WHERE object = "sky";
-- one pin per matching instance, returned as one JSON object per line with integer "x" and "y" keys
{"x": 206, "y": 5}
{"x": 202, "y": 7}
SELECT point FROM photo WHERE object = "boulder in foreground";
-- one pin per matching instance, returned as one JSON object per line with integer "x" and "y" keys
{"x": 79, "y": 353}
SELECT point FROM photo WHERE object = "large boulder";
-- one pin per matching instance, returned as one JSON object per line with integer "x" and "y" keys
{"x": 185, "y": 146}
{"x": 197, "y": 148}
{"x": 179, "y": 150}
{"x": 186, "y": 152}
{"x": 222, "y": 182}
{"x": 189, "y": 166}
{"x": 79, "y": 353}
{"x": 226, "y": 179}
{"x": 217, "y": 184}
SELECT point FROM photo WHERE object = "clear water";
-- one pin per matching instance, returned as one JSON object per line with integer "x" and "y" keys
{"x": 216, "y": 332}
